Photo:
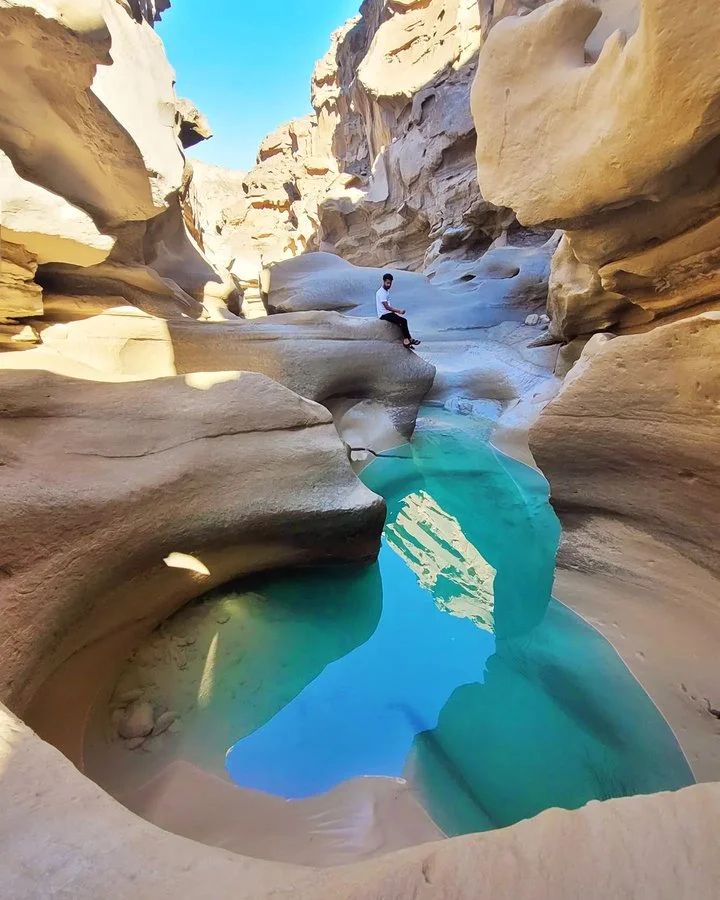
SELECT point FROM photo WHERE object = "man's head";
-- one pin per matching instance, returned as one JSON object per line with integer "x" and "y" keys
{"x": 387, "y": 281}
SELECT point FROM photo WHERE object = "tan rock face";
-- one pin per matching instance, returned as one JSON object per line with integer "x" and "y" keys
{"x": 323, "y": 356}
{"x": 659, "y": 846}
{"x": 20, "y": 296}
{"x": 383, "y": 172}
{"x": 134, "y": 478}
{"x": 656, "y": 396}
{"x": 194, "y": 127}
{"x": 92, "y": 170}
{"x": 144, "y": 470}
{"x": 46, "y": 224}
{"x": 559, "y": 143}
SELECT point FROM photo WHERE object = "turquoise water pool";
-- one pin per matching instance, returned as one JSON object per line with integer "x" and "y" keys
{"x": 446, "y": 663}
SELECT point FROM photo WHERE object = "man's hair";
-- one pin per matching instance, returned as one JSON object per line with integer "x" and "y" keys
{"x": 387, "y": 277}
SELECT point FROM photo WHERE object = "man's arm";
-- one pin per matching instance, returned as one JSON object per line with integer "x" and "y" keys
{"x": 393, "y": 309}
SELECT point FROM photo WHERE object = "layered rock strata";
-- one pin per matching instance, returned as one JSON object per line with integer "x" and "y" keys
{"x": 383, "y": 171}
{"x": 558, "y": 144}
{"x": 95, "y": 194}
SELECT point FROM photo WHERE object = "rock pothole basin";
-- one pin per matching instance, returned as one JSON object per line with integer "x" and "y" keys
{"x": 330, "y": 714}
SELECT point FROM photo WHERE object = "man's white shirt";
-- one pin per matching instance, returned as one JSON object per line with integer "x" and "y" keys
{"x": 380, "y": 298}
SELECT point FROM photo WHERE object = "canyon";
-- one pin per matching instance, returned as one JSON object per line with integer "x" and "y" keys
{"x": 191, "y": 373}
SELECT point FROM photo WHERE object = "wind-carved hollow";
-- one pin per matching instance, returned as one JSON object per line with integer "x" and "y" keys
{"x": 618, "y": 152}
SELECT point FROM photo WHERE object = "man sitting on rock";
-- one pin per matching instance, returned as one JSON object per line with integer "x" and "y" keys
{"x": 389, "y": 313}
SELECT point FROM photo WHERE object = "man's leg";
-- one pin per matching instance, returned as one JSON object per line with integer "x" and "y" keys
{"x": 401, "y": 322}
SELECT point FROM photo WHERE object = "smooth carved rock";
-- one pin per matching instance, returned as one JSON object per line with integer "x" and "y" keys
{"x": 559, "y": 143}
{"x": 95, "y": 196}
{"x": 232, "y": 469}
{"x": 322, "y": 356}
{"x": 659, "y": 844}
{"x": 503, "y": 285}
{"x": 46, "y": 224}
{"x": 655, "y": 396}
{"x": 577, "y": 107}
{"x": 78, "y": 151}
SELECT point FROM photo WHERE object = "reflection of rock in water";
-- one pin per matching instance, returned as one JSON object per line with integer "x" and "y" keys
{"x": 431, "y": 542}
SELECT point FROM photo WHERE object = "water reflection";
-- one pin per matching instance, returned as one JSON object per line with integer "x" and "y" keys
{"x": 558, "y": 721}
{"x": 431, "y": 543}
{"x": 493, "y": 701}
{"x": 363, "y": 712}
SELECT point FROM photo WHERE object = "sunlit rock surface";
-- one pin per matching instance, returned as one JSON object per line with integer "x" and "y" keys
{"x": 629, "y": 448}
{"x": 95, "y": 194}
{"x": 557, "y": 145}
{"x": 409, "y": 668}
{"x": 470, "y": 318}
{"x": 142, "y": 471}
{"x": 629, "y": 443}
{"x": 97, "y": 488}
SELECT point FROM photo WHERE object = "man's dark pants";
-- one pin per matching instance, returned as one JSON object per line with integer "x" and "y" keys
{"x": 400, "y": 321}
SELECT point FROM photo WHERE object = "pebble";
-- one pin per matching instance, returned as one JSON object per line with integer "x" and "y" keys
{"x": 532, "y": 319}
{"x": 138, "y": 720}
{"x": 164, "y": 721}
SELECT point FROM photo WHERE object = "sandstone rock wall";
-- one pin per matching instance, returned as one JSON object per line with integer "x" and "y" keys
{"x": 621, "y": 153}
{"x": 93, "y": 198}
{"x": 103, "y": 483}
{"x": 598, "y": 133}
{"x": 112, "y": 473}
{"x": 104, "y": 272}
{"x": 383, "y": 171}
{"x": 601, "y": 118}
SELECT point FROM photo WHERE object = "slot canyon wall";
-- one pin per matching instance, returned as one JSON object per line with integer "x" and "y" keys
{"x": 129, "y": 388}
{"x": 154, "y": 443}
{"x": 622, "y": 154}
{"x": 383, "y": 171}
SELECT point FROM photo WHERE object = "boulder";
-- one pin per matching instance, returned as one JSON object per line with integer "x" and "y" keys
{"x": 194, "y": 126}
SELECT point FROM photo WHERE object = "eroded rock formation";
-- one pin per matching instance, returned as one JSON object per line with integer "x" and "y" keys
{"x": 98, "y": 185}
{"x": 563, "y": 145}
{"x": 383, "y": 171}
{"x": 135, "y": 365}
{"x": 134, "y": 478}
{"x": 142, "y": 472}
{"x": 598, "y": 133}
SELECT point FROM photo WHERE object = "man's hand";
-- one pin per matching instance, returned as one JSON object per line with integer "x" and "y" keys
{"x": 401, "y": 312}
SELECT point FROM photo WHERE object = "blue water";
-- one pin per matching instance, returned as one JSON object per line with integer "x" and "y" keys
{"x": 446, "y": 662}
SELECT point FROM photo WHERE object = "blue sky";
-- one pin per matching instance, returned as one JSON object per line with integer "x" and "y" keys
{"x": 247, "y": 65}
